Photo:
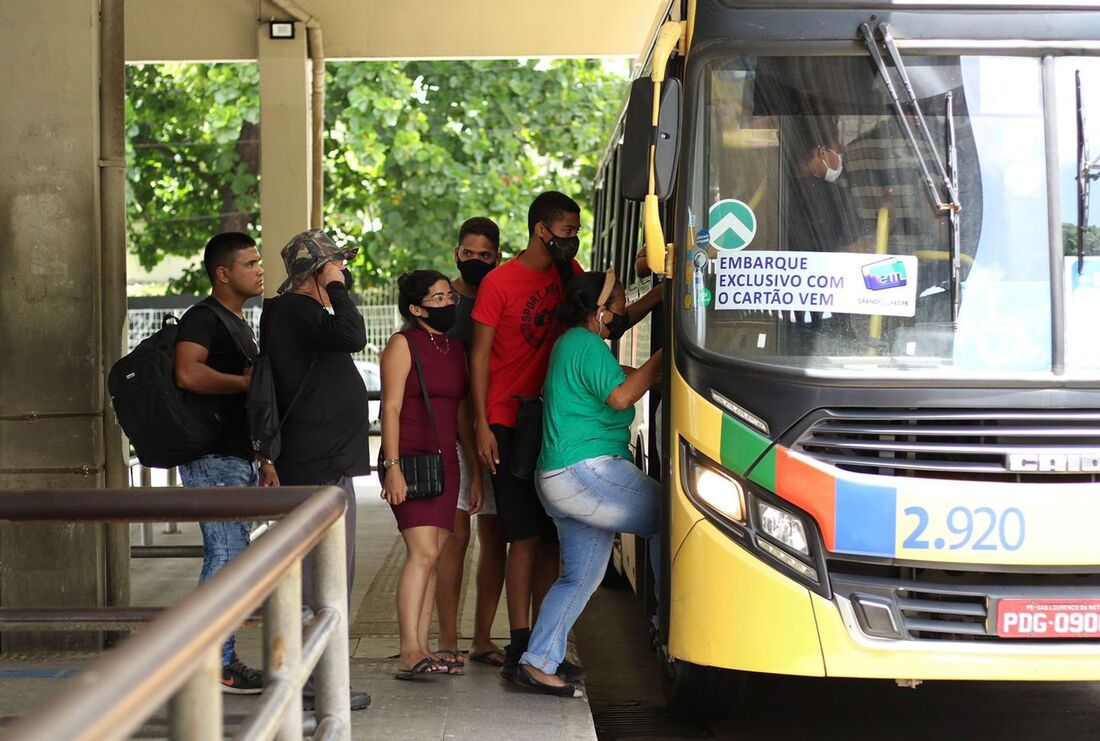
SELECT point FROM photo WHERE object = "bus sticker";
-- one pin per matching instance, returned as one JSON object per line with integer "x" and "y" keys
{"x": 837, "y": 282}
{"x": 888, "y": 273}
{"x": 732, "y": 224}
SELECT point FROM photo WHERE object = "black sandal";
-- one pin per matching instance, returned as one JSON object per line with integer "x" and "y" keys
{"x": 427, "y": 665}
{"x": 524, "y": 679}
{"x": 456, "y": 665}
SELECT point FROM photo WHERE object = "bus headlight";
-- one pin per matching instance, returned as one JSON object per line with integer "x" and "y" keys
{"x": 759, "y": 521}
{"x": 719, "y": 492}
{"x": 783, "y": 527}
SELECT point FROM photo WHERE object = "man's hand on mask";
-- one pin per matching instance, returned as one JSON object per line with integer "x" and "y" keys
{"x": 332, "y": 272}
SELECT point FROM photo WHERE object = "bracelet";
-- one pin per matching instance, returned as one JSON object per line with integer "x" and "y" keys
{"x": 265, "y": 461}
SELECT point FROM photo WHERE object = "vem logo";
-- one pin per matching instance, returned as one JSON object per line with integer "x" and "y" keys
{"x": 888, "y": 273}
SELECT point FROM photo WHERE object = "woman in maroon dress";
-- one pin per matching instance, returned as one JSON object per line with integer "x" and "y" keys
{"x": 427, "y": 301}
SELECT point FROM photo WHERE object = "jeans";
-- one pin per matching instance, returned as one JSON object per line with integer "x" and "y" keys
{"x": 590, "y": 501}
{"x": 221, "y": 541}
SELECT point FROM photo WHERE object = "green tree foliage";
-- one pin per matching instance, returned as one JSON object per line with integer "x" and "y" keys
{"x": 193, "y": 159}
{"x": 412, "y": 150}
{"x": 1069, "y": 240}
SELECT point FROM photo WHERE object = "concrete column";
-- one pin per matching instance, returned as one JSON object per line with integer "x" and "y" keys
{"x": 51, "y": 326}
{"x": 284, "y": 146}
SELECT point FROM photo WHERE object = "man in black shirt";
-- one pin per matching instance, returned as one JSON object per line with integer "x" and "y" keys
{"x": 477, "y": 253}
{"x": 309, "y": 332}
{"x": 214, "y": 363}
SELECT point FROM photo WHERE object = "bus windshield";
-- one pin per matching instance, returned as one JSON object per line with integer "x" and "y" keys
{"x": 814, "y": 240}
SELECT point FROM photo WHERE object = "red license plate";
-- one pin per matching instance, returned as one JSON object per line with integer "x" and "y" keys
{"x": 1048, "y": 618}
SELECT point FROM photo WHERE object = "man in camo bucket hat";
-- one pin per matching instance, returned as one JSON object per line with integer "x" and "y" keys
{"x": 310, "y": 333}
{"x": 305, "y": 253}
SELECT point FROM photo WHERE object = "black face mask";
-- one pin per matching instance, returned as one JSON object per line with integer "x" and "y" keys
{"x": 473, "y": 271}
{"x": 618, "y": 325}
{"x": 440, "y": 318}
{"x": 562, "y": 249}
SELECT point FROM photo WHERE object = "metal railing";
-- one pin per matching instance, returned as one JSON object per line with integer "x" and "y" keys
{"x": 177, "y": 656}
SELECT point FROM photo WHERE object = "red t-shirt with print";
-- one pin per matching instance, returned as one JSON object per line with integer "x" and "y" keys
{"x": 520, "y": 303}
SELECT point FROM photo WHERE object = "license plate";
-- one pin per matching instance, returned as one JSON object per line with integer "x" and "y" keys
{"x": 1048, "y": 618}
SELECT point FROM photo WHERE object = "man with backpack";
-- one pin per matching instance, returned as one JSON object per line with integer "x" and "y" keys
{"x": 214, "y": 351}
{"x": 308, "y": 333}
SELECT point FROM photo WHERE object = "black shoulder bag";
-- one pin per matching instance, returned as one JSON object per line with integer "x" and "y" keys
{"x": 423, "y": 473}
{"x": 527, "y": 440}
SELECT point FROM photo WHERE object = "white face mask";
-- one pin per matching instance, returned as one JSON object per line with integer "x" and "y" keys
{"x": 830, "y": 174}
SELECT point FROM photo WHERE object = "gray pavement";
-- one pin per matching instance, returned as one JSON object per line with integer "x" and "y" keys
{"x": 478, "y": 705}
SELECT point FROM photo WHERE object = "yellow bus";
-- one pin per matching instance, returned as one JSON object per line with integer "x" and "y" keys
{"x": 879, "y": 431}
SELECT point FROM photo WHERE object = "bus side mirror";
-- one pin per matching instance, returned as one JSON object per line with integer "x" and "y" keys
{"x": 640, "y": 135}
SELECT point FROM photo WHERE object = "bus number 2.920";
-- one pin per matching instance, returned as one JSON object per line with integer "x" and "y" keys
{"x": 978, "y": 529}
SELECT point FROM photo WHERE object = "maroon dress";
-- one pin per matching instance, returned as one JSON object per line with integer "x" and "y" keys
{"x": 444, "y": 364}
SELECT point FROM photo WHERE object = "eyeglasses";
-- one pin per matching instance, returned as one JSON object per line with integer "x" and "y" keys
{"x": 442, "y": 299}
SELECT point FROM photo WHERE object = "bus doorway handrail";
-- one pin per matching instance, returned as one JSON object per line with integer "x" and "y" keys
{"x": 177, "y": 657}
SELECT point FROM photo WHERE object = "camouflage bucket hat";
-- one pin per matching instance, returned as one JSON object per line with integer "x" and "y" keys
{"x": 305, "y": 253}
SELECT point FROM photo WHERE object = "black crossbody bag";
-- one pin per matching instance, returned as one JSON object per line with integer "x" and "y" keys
{"x": 423, "y": 473}
{"x": 527, "y": 440}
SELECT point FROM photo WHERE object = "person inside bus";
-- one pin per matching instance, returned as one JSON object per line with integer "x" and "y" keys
{"x": 409, "y": 427}
{"x": 586, "y": 479}
{"x": 820, "y": 216}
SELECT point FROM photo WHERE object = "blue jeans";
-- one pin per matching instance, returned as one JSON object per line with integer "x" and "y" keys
{"x": 221, "y": 541}
{"x": 590, "y": 501}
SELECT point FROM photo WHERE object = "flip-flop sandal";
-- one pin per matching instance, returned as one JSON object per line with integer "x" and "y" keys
{"x": 426, "y": 665}
{"x": 451, "y": 657}
{"x": 456, "y": 665}
{"x": 491, "y": 657}
{"x": 525, "y": 679}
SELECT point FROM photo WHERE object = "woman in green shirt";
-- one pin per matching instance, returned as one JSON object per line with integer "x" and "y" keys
{"x": 586, "y": 479}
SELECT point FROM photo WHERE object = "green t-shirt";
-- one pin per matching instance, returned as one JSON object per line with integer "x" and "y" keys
{"x": 577, "y": 423}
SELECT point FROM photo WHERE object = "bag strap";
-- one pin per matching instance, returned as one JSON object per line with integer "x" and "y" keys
{"x": 298, "y": 393}
{"x": 565, "y": 274}
{"x": 229, "y": 327}
{"x": 423, "y": 388}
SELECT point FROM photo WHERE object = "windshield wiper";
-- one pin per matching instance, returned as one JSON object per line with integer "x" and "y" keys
{"x": 952, "y": 202}
{"x": 954, "y": 237}
{"x": 1086, "y": 172}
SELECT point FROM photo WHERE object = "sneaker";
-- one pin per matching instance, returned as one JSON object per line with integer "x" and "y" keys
{"x": 240, "y": 679}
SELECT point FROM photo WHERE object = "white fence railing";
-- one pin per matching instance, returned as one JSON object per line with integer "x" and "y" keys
{"x": 382, "y": 320}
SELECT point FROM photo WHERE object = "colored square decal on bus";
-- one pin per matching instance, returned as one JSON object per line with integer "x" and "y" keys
{"x": 889, "y": 273}
{"x": 808, "y": 487}
{"x": 865, "y": 519}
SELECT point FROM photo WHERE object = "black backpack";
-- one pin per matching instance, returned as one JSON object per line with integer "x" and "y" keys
{"x": 166, "y": 425}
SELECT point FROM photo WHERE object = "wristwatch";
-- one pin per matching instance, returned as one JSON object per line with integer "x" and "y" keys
{"x": 387, "y": 462}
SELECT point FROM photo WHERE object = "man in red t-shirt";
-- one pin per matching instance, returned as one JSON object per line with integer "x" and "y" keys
{"x": 515, "y": 326}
